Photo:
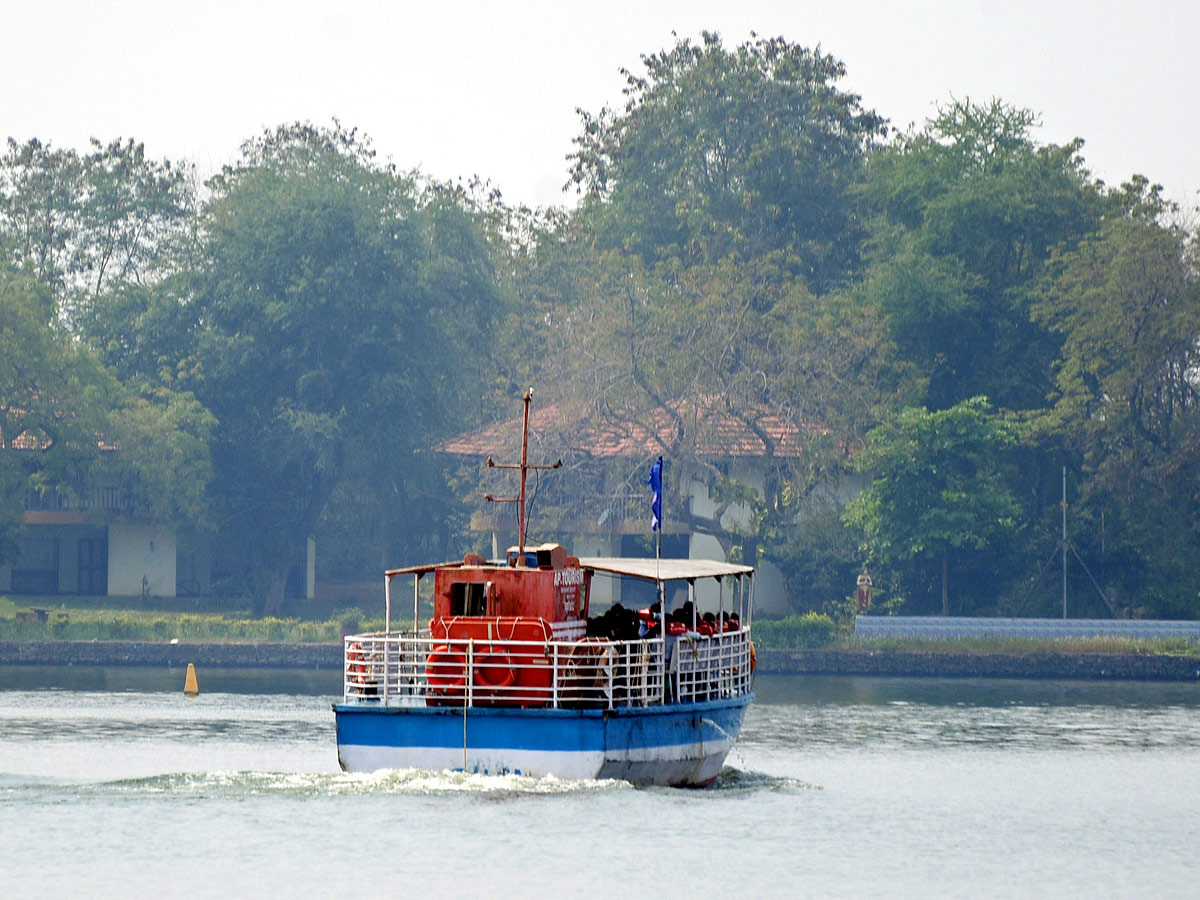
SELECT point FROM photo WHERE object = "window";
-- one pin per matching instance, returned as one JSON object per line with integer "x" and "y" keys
{"x": 36, "y": 568}
{"x": 468, "y": 599}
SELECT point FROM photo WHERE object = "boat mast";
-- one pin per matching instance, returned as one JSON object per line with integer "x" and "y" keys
{"x": 524, "y": 466}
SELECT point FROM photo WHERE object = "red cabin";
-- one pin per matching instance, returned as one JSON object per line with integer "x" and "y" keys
{"x": 508, "y": 612}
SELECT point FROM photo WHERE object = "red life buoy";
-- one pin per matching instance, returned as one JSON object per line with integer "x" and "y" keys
{"x": 494, "y": 670}
{"x": 356, "y": 664}
{"x": 446, "y": 668}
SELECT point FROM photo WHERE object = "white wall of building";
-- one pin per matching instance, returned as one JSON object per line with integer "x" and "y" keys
{"x": 770, "y": 595}
{"x": 137, "y": 552}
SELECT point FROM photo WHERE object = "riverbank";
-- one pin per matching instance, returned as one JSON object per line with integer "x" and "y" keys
{"x": 941, "y": 663}
{"x": 947, "y": 663}
{"x": 172, "y": 655}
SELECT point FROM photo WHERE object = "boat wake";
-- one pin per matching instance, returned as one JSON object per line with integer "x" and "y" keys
{"x": 233, "y": 784}
{"x": 732, "y": 779}
{"x": 415, "y": 782}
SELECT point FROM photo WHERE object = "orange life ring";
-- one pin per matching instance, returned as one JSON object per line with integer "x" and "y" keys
{"x": 493, "y": 670}
{"x": 356, "y": 664}
{"x": 753, "y": 661}
{"x": 446, "y": 668}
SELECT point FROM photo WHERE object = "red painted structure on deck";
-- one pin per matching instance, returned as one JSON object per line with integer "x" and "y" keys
{"x": 507, "y": 613}
{"x": 556, "y": 590}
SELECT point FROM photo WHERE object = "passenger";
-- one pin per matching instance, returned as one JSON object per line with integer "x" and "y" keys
{"x": 683, "y": 620}
{"x": 649, "y": 621}
{"x": 623, "y": 624}
{"x": 616, "y": 624}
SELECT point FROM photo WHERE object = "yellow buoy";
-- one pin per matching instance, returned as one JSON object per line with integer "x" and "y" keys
{"x": 190, "y": 687}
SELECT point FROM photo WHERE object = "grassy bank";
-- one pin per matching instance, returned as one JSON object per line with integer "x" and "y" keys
{"x": 93, "y": 621}
{"x": 1030, "y": 646}
{"x": 88, "y": 622}
{"x": 813, "y": 631}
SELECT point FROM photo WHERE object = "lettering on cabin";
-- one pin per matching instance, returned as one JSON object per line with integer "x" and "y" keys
{"x": 567, "y": 577}
{"x": 567, "y": 583}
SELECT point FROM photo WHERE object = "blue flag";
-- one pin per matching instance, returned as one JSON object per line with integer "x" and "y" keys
{"x": 655, "y": 482}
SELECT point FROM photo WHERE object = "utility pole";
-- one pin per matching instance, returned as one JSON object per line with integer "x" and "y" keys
{"x": 1064, "y": 539}
{"x": 1066, "y": 545}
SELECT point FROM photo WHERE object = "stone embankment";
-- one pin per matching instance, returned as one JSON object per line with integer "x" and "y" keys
{"x": 866, "y": 662}
{"x": 152, "y": 653}
{"x": 951, "y": 664}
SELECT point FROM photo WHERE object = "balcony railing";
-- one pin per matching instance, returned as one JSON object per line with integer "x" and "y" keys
{"x": 112, "y": 499}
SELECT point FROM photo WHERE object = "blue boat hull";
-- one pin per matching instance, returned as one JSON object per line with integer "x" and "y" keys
{"x": 674, "y": 744}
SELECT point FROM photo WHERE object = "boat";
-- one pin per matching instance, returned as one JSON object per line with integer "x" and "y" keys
{"x": 513, "y": 674}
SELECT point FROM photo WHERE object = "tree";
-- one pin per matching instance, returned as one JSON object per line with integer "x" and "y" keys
{"x": 938, "y": 487}
{"x": 339, "y": 315}
{"x": 691, "y": 291}
{"x": 40, "y": 195}
{"x": 1127, "y": 303}
{"x": 54, "y": 400}
{"x": 730, "y": 153}
{"x": 85, "y": 225}
{"x": 967, "y": 210}
{"x": 79, "y": 231}
{"x": 163, "y": 459}
{"x": 728, "y": 345}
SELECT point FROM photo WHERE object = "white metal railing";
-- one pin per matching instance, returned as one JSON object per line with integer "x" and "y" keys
{"x": 708, "y": 668}
{"x": 407, "y": 669}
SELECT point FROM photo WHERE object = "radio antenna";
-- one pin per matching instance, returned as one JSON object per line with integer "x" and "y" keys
{"x": 525, "y": 467}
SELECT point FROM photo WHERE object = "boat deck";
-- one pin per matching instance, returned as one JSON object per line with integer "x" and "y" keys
{"x": 406, "y": 669}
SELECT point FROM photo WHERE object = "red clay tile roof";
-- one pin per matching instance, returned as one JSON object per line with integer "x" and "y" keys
{"x": 29, "y": 441}
{"x": 709, "y": 430}
{"x": 24, "y": 441}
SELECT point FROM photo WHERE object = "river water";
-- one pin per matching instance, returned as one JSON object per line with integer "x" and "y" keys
{"x": 112, "y": 784}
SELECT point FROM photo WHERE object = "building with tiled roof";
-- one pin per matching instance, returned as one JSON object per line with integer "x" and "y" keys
{"x": 615, "y": 521}
{"x": 83, "y": 539}
{"x": 709, "y": 431}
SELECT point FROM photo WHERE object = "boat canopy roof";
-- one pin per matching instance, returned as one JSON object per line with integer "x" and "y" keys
{"x": 649, "y": 568}
{"x": 425, "y": 569}
{"x": 660, "y": 570}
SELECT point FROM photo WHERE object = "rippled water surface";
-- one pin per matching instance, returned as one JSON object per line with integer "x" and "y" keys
{"x": 112, "y": 784}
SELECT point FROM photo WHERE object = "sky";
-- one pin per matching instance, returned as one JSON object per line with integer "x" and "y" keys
{"x": 458, "y": 89}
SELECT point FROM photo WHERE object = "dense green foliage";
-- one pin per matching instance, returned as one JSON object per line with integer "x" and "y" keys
{"x": 805, "y": 632}
{"x": 742, "y": 154}
{"x": 940, "y": 487}
{"x": 329, "y": 302}
{"x": 937, "y": 322}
